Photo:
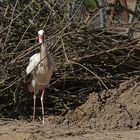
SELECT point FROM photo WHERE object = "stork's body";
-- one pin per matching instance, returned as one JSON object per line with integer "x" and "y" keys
{"x": 41, "y": 66}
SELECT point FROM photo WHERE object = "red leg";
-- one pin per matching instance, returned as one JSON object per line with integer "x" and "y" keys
{"x": 34, "y": 97}
{"x": 42, "y": 102}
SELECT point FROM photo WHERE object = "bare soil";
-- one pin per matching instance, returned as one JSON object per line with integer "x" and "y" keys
{"x": 21, "y": 130}
{"x": 109, "y": 115}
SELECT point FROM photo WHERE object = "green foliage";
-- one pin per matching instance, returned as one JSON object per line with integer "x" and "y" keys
{"x": 91, "y": 4}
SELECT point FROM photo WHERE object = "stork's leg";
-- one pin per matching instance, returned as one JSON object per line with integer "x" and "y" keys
{"x": 42, "y": 102}
{"x": 34, "y": 97}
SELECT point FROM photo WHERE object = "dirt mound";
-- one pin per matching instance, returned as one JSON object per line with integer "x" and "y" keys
{"x": 115, "y": 109}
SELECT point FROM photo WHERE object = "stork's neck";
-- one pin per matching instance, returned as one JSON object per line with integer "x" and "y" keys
{"x": 43, "y": 51}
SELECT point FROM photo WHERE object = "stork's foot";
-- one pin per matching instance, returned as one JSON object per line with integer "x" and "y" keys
{"x": 33, "y": 119}
{"x": 43, "y": 120}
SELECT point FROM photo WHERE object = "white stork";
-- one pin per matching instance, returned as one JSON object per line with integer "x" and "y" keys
{"x": 41, "y": 66}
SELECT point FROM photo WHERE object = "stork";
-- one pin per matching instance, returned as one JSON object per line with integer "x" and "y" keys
{"x": 41, "y": 66}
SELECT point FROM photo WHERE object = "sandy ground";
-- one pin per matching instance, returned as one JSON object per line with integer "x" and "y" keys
{"x": 22, "y": 130}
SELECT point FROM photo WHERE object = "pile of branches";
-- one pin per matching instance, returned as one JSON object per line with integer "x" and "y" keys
{"x": 87, "y": 59}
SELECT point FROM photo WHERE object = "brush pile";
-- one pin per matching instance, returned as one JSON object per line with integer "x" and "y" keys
{"x": 87, "y": 59}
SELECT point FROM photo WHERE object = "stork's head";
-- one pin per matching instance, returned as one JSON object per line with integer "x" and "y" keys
{"x": 41, "y": 36}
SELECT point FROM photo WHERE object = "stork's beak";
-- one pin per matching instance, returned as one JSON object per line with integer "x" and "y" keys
{"x": 41, "y": 36}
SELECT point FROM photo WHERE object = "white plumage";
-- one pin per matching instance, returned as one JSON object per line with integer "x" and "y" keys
{"x": 41, "y": 72}
{"x": 41, "y": 66}
{"x": 34, "y": 61}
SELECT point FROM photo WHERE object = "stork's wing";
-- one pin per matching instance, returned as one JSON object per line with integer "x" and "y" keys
{"x": 34, "y": 61}
{"x": 51, "y": 61}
